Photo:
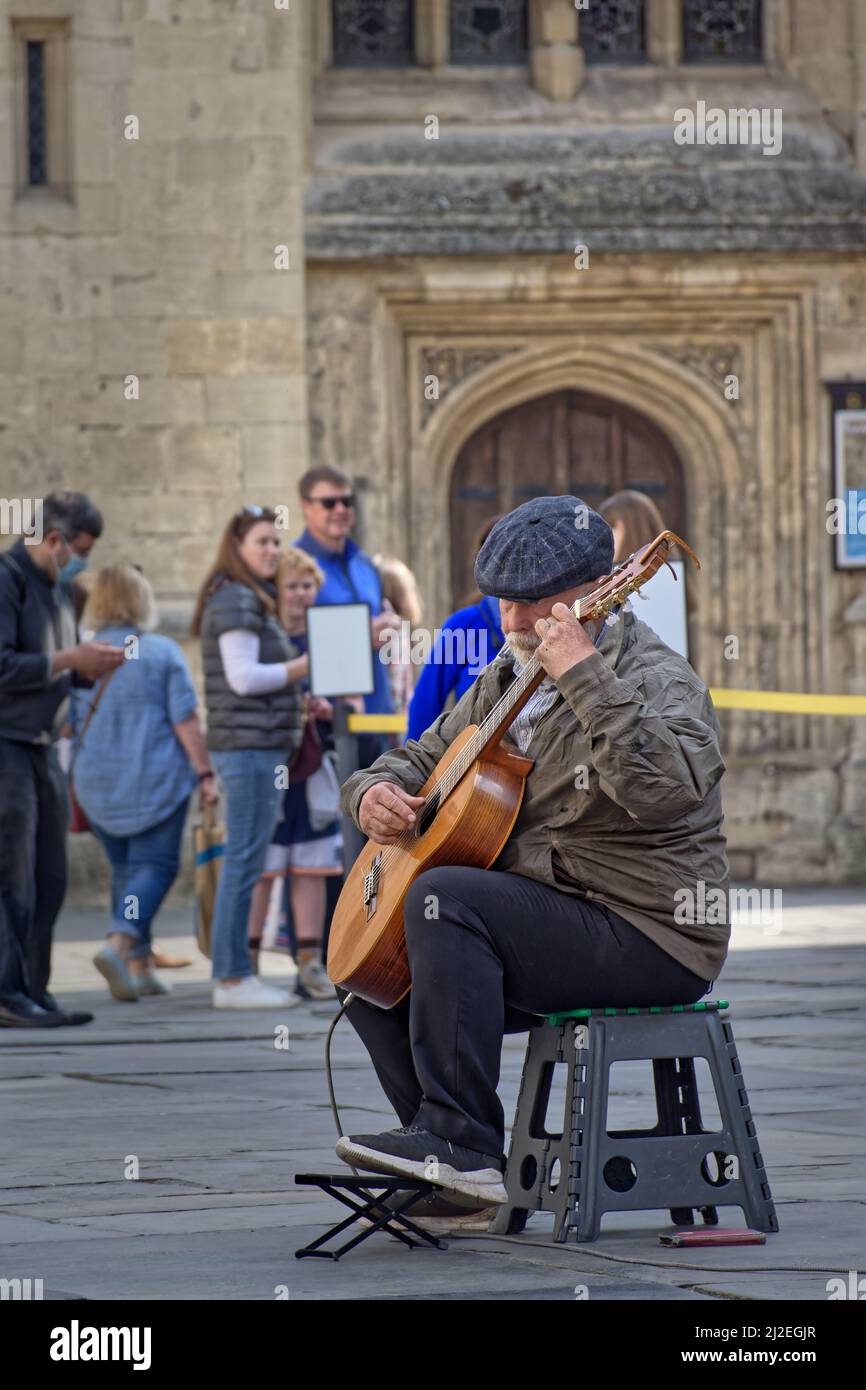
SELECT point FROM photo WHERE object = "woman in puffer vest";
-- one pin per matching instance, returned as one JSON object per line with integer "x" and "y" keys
{"x": 254, "y": 727}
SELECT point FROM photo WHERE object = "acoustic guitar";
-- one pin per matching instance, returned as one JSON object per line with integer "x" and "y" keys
{"x": 472, "y": 798}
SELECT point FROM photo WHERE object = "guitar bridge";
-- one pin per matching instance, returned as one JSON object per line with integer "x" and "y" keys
{"x": 371, "y": 885}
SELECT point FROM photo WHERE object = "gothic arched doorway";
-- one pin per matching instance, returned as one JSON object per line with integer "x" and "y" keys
{"x": 565, "y": 442}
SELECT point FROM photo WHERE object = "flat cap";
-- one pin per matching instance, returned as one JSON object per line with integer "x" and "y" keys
{"x": 544, "y": 546}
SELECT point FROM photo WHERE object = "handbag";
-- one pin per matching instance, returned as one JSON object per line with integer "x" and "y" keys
{"x": 78, "y": 821}
{"x": 309, "y": 755}
{"x": 209, "y": 843}
{"x": 323, "y": 794}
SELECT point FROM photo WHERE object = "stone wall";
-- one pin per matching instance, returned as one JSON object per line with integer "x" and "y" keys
{"x": 658, "y": 333}
{"x": 160, "y": 264}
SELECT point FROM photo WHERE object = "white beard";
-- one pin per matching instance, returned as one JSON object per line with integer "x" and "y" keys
{"x": 522, "y": 645}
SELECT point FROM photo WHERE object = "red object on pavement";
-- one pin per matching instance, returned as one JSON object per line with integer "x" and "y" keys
{"x": 714, "y": 1236}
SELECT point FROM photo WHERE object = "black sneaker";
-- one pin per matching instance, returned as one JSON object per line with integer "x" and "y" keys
{"x": 19, "y": 1011}
{"x": 74, "y": 1017}
{"x": 411, "y": 1152}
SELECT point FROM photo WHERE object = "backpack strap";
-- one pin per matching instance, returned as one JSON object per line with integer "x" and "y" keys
{"x": 94, "y": 705}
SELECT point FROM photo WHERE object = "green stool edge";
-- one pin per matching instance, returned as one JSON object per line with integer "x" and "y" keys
{"x": 702, "y": 1006}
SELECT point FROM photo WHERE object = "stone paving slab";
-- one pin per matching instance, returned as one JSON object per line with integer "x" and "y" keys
{"x": 220, "y": 1120}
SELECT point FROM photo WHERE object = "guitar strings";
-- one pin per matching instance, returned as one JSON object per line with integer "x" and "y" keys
{"x": 468, "y": 755}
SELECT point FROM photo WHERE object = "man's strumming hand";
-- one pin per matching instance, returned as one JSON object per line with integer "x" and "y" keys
{"x": 385, "y": 811}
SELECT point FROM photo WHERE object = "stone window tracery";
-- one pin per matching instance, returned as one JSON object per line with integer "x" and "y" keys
{"x": 373, "y": 33}
{"x": 494, "y": 31}
{"x": 722, "y": 31}
{"x": 491, "y": 33}
{"x": 37, "y": 159}
{"x": 614, "y": 31}
{"x": 40, "y": 69}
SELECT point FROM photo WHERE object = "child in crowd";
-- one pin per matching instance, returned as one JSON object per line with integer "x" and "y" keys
{"x": 307, "y": 856}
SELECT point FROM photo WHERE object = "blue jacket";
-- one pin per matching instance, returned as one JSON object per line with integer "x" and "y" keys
{"x": 351, "y": 577}
{"x": 468, "y": 640}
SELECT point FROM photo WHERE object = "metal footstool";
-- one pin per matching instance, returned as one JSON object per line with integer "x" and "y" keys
{"x": 585, "y": 1172}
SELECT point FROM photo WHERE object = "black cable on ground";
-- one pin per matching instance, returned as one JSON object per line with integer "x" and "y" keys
{"x": 331, "y": 1096}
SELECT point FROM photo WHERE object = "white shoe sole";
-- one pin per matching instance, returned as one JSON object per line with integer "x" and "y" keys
{"x": 473, "y": 1223}
{"x": 485, "y": 1183}
{"x": 477, "y": 1223}
{"x": 288, "y": 1003}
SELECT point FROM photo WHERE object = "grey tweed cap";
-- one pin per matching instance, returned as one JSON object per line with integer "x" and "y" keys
{"x": 544, "y": 546}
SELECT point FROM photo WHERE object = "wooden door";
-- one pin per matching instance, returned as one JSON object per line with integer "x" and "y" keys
{"x": 565, "y": 442}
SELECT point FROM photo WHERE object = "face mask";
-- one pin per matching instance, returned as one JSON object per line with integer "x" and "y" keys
{"x": 74, "y": 565}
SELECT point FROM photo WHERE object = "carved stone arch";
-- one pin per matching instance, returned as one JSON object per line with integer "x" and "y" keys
{"x": 673, "y": 399}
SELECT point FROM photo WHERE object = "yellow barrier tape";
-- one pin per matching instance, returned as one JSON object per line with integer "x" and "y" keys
{"x": 377, "y": 723}
{"x": 767, "y": 701}
{"x": 786, "y": 702}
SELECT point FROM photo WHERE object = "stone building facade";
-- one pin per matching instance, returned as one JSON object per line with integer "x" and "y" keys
{"x": 457, "y": 249}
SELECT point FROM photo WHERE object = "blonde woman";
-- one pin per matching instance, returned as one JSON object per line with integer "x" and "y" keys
{"x": 306, "y": 856}
{"x": 136, "y": 767}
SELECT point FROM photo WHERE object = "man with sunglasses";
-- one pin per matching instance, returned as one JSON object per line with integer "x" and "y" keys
{"x": 328, "y": 503}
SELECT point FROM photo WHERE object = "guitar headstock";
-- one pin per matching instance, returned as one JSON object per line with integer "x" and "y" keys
{"x": 628, "y": 576}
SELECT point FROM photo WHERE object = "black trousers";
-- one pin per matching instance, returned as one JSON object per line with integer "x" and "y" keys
{"x": 489, "y": 952}
{"x": 34, "y": 813}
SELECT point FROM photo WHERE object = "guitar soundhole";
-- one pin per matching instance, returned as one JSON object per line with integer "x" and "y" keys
{"x": 427, "y": 816}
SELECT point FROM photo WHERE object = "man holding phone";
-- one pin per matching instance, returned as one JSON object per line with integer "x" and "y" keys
{"x": 40, "y": 660}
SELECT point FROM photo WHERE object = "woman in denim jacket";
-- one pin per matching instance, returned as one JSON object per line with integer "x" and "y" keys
{"x": 136, "y": 767}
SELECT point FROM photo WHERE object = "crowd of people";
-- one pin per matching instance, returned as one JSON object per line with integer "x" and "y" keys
{"x": 106, "y": 733}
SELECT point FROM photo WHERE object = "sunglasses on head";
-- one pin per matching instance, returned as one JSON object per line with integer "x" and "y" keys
{"x": 329, "y": 503}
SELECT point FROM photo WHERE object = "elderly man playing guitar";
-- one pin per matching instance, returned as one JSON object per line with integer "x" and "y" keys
{"x": 620, "y": 822}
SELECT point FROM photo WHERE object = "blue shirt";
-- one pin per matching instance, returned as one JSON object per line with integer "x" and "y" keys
{"x": 130, "y": 771}
{"x": 468, "y": 641}
{"x": 351, "y": 577}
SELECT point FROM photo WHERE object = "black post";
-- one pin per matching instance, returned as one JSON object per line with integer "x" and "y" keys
{"x": 346, "y": 747}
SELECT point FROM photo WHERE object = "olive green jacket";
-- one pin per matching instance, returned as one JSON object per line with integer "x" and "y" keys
{"x": 640, "y": 828}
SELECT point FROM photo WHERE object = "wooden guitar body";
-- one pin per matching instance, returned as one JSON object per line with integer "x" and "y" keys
{"x": 367, "y": 951}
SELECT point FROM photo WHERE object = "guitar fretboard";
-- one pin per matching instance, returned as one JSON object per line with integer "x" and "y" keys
{"x": 506, "y": 709}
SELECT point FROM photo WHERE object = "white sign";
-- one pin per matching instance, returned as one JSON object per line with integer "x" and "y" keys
{"x": 341, "y": 649}
{"x": 661, "y": 603}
